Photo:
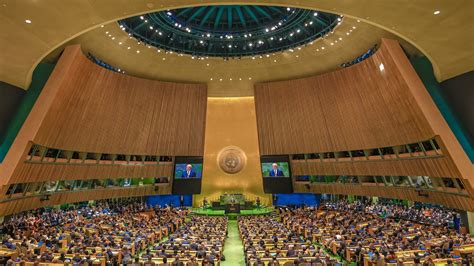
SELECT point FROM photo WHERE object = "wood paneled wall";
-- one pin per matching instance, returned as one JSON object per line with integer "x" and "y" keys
{"x": 91, "y": 109}
{"x": 25, "y": 204}
{"x": 446, "y": 199}
{"x": 364, "y": 106}
{"x": 353, "y": 108}
{"x": 98, "y": 110}
{"x": 433, "y": 167}
{"x": 35, "y": 172}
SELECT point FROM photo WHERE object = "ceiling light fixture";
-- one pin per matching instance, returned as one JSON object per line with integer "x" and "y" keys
{"x": 437, "y": 12}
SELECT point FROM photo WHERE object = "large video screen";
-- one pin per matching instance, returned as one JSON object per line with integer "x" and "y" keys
{"x": 276, "y": 173}
{"x": 187, "y": 175}
{"x": 276, "y": 169}
{"x": 187, "y": 170}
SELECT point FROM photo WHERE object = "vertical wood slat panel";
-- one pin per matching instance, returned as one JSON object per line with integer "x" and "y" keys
{"x": 102, "y": 111}
{"x": 31, "y": 172}
{"x": 353, "y": 108}
{"x": 433, "y": 167}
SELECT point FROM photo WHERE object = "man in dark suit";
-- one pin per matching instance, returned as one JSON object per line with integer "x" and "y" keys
{"x": 275, "y": 171}
{"x": 189, "y": 173}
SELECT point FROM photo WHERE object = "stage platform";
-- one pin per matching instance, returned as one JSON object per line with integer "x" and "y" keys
{"x": 210, "y": 212}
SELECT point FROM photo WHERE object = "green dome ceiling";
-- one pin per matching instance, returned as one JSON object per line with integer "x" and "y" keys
{"x": 230, "y": 31}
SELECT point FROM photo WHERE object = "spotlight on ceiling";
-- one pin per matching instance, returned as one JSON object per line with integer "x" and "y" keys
{"x": 437, "y": 12}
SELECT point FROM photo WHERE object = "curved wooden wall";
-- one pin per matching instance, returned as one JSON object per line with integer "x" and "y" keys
{"x": 364, "y": 106}
{"x": 86, "y": 108}
{"x": 433, "y": 167}
{"x": 358, "y": 107}
{"x": 98, "y": 110}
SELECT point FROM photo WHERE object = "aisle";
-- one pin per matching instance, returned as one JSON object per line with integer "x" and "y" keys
{"x": 233, "y": 249}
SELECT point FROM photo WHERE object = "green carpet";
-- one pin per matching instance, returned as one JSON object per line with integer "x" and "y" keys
{"x": 233, "y": 248}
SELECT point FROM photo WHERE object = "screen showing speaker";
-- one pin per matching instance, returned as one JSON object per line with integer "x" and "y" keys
{"x": 187, "y": 170}
{"x": 276, "y": 169}
{"x": 276, "y": 173}
{"x": 187, "y": 175}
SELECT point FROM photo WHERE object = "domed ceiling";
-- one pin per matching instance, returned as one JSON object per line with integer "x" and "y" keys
{"x": 230, "y": 31}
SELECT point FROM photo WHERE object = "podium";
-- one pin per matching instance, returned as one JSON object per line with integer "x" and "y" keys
{"x": 232, "y": 208}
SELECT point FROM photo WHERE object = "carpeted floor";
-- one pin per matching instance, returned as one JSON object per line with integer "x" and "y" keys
{"x": 233, "y": 249}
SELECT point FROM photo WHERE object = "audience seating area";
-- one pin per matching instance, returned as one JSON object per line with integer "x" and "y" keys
{"x": 100, "y": 235}
{"x": 268, "y": 242}
{"x": 337, "y": 233}
{"x": 381, "y": 234}
{"x": 199, "y": 241}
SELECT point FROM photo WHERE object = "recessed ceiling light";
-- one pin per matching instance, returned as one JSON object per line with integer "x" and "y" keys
{"x": 211, "y": 78}
{"x": 138, "y": 51}
{"x": 437, "y": 12}
{"x": 128, "y": 48}
{"x": 381, "y": 67}
{"x": 27, "y": 21}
